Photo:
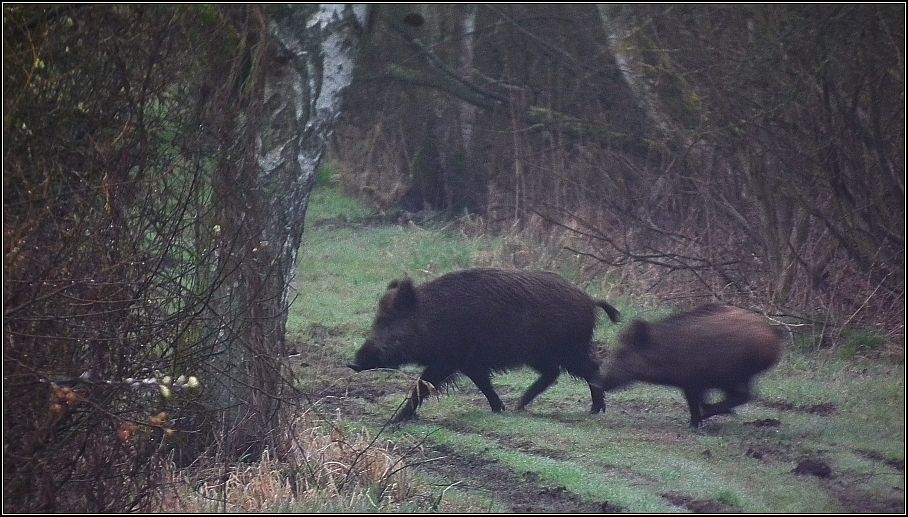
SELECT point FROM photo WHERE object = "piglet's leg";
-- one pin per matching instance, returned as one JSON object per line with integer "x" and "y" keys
{"x": 734, "y": 396}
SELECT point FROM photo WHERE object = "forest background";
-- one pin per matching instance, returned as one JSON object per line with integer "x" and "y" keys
{"x": 159, "y": 161}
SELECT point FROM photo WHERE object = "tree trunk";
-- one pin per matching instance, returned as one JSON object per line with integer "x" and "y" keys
{"x": 618, "y": 41}
{"x": 309, "y": 63}
{"x": 442, "y": 168}
{"x": 759, "y": 189}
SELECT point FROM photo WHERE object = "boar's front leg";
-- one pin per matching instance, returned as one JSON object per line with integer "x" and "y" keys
{"x": 431, "y": 376}
{"x": 481, "y": 379}
{"x": 589, "y": 370}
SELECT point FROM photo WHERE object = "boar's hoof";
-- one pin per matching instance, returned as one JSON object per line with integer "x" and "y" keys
{"x": 400, "y": 419}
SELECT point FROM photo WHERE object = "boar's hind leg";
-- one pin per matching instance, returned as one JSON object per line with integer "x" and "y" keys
{"x": 734, "y": 396}
{"x": 433, "y": 375}
{"x": 694, "y": 398}
{"x": 481, "y": 379}
{"x": 548, "y": 376}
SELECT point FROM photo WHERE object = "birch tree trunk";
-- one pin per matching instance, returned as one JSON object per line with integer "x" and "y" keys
{"x": 309, "y": 62}
{"x": 778, "y": 227}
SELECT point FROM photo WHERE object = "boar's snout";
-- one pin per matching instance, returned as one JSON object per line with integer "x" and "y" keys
{"x": 368, "y": 357}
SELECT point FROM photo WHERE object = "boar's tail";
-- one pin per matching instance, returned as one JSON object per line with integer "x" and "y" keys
{"x": 613, "y": 313}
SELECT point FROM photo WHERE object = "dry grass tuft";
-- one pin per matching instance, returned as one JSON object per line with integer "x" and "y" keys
{"x": 324, "y": 467}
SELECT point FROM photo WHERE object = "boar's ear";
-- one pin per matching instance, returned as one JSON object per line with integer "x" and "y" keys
{"x": 638, "y": 334}
{"x": 405, "y": 297}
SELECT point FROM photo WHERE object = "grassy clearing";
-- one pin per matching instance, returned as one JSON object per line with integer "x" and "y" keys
{"x": 848, "y": 413}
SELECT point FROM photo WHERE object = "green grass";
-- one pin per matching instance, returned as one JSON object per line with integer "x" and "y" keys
{"x": 860, "y": 341}
{"x": 350, "y": 267}
{"x": 589, "y": 485}
{"x": 847, "y": 410}
{"x": 344, "y": 270}
{"x": 329, "y": 203}
{"x": 627, "y": 463}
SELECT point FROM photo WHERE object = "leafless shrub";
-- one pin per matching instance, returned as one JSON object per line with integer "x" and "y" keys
{"x": 114, "y": 131}
{"x": 751, "y": 154}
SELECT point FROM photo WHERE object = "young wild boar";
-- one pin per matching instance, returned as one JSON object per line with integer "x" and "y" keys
{"x": 480, "y": 321}
{"x": 712, "y": 347}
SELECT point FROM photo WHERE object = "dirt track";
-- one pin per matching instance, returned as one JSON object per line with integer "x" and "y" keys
{"x": 528, "y": 492}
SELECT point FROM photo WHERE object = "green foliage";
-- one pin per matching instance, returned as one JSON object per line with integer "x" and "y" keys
{"x": 328, "y": 173}
{"x": 805, "y": 342}
{"x": 850, "y": 343}
{"x": 859, "y": 341}
{"x": 441, "y": 252}
{"x": 329, "y": 204}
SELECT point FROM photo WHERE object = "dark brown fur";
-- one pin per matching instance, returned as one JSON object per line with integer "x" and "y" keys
{"x": 480, "y": 321}
{"x": 712, "y": 347}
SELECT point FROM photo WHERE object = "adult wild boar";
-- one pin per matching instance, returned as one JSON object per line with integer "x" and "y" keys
{"x": 480, "y": 321}
{"x": 711, "y": 347}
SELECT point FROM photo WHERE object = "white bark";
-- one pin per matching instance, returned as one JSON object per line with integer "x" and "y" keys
{"x": 618, "y": 39}
{"x": 775, "y": 230}
{"x": 311, "y": 61}
{"x": 321, "y": 67}
{"x": 468, "y": 112}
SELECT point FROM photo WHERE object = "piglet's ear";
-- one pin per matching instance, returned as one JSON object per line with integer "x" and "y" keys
{"x": 405, "y": 297}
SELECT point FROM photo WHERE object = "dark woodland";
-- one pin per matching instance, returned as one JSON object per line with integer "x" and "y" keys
{"x": 158, "y": 161}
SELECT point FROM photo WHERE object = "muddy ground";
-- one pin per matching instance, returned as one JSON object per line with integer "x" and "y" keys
{"x": 527, "y": 493}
